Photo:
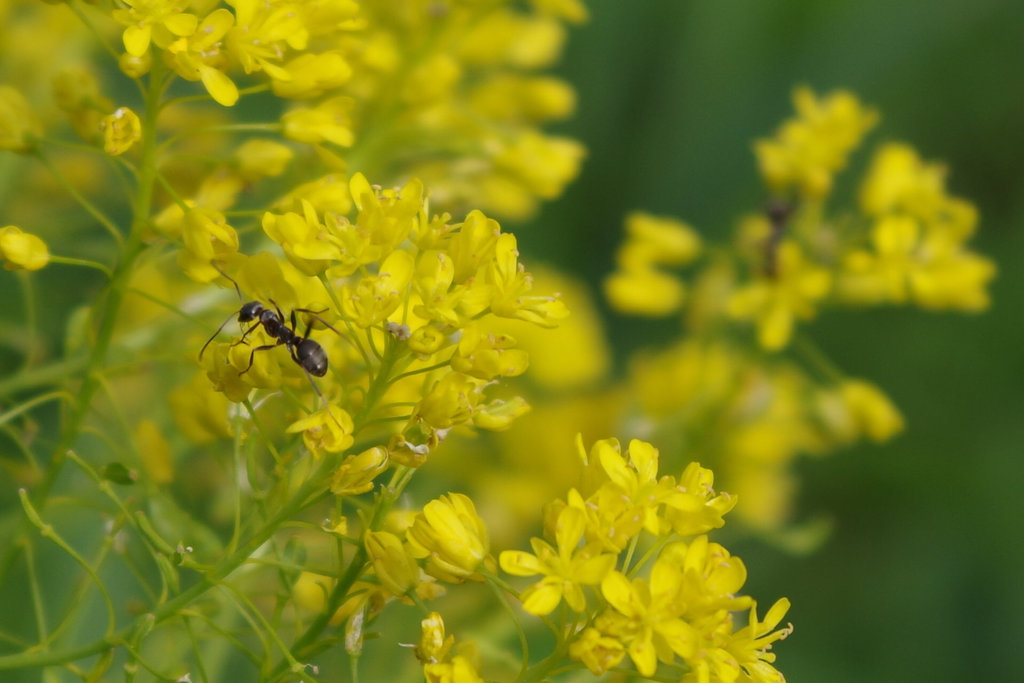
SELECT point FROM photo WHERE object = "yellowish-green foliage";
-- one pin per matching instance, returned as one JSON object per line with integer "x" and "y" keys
{"x": 260, "y": 501}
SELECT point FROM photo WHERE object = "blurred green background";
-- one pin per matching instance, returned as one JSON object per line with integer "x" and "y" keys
{"x": 921, "y": 578}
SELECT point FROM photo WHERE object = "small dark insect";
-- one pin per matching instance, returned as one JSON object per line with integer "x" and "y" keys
{"x": 306, "y": 353}
{"x": 778, "y": 212}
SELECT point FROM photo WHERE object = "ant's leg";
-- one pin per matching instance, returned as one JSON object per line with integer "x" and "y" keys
{"x": 314, "y": 314}
{"x": 246, "y": 333}
{"x": 253, "y": 354}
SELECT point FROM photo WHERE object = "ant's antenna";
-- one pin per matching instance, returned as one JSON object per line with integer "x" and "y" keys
{"x": 237, "y": 290}
{"x": 215, "y": 334}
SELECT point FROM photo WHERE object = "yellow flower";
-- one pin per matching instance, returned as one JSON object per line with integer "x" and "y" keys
{"x": 642, "y": 290}
{"x": 451, "y": 400}
{"x": 434, "y": 644}
{"x": 597, "y": 651}
{"x": 724, "y": 655}
{"x": 565, "y": 570}
{"x": 78, "y": 94}
{"x": 199, "y": 57}
{"x": 510, "y": 284}
{"x": 21, "y": 250}
{"x": 433, "y": 650}
{"x": 775, "y": 303}
{"x": 645, "y": 618}
{"x": 871, "y": 410}
{"x": 199, "y": 411}
{"x": 258, "y": 159}
{"x": 309, "y": 244}
{"x": 327, "y": 430}
{"x": 121, "y": 130}
{"x": 159, "y": 21}
{"x": 208, "y": 238}
{"x": 356, "y": 473}
{"x": 18, "y": 123}
{"x": 486, "y": 356}
{"x": 453, "y": 538}
{"x": 310, "y": 75}
{"x": 396, "y": 570}
{"x": 330, "y": 121}
{"x": 371, "y": 300}
{"x": 808, "y": 149}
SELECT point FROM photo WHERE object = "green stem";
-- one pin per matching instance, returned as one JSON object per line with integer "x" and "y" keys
{"x": 110, "y": 308}
{"x": 309, "y": 494}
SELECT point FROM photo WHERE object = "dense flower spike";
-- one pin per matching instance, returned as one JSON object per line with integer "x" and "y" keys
{"x": 680, "y": 610}
{"x": 906, "y": 242}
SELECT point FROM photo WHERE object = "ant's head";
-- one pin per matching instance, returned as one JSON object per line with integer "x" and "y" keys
{"x": 250, "y": 311}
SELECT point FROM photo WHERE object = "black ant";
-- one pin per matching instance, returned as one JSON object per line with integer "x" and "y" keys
{"x": 778, "y": 212}
{"x": 306, "y": 353}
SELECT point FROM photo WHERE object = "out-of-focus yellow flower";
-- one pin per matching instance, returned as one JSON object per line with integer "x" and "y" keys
{"x": 258, "y": 159}
{"x": 18, "y": 123}
{"x": 898, "y": 181}
{"x": 544, "y": 164}
{"x": 134, "y": 66}
{"x": 871, "y": 410}
{"x": 516, "y": 98}
{"x": 330, "y": 121}
{"x": 453, "y": 538}
{"x": 158, "y": 21}
{"x": 644, "y": 291}
{"x": 432, "y": 79}
{"x": 310, "y": 75}
{"x": 21, "y": 250}
{"x": 908, "y": 264}
{"x": 199, "y": 411}
{"x": 121, "y": 130}
{"x": 499, "y": 414}
{"x": 573, "y": 355}
{"x": 808, "y": 149}
{"x": 637, "y": 286}
{"x": 78, "y": 94}
{"x": 356, "y": 473}
{"x": 396, "y": 570}
{"x": 208, "y": 238}
{"x": 155, "y": 452}
{"x": 776, "y": 303}
{"x": 327, "y": 430}
{"x": 198, "y": 56}
{"x": 506, "y": 37}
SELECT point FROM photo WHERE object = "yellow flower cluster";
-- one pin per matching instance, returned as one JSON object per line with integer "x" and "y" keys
{"x": 413, "y": 298}
{"x": 682, "y": 613}
{"x": 764, "y": 416}
{"x": 807, "y": 150}
{"x": 453, "y": 84}
{"x": 917, "y": 248}
{"x": 908, "y": 244}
